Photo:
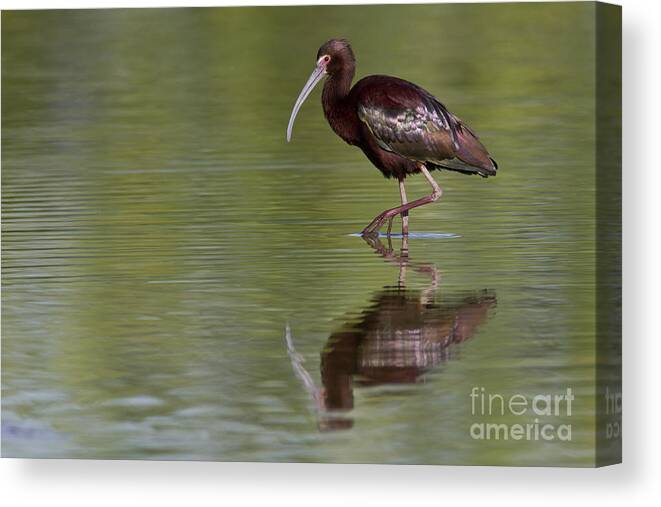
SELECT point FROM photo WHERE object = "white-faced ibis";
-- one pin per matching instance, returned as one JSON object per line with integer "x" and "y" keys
{"x": 401, "y": 128}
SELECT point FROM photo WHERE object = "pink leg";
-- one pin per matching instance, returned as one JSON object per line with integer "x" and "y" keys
{"x": 405, "y": 214}
{"x": 375, "y": 225}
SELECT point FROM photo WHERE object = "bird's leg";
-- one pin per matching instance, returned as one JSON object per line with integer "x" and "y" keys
{"x": 390, "y": 250}
{"x": 405, "y": 214}
{"x": 405, "y": 245}
{"x": 375, "y": 225}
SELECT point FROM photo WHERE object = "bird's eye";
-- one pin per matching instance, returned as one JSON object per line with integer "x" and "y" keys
{"x": 326, "y": 58}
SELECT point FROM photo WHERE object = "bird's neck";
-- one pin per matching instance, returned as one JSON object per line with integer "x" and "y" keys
{"x": 337, "y": 109}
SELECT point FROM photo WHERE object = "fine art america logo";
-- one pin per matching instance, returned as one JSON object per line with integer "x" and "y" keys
{"x": 532, "y": 413}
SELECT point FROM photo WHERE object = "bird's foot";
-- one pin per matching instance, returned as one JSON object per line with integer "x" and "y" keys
{"x": 375, "y": 225}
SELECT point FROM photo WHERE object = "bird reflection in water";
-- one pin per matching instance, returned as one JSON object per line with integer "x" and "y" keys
{"x": 400, "y": 336}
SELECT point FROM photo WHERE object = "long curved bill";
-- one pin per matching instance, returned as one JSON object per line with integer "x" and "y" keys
{"x": 315, "y": 77}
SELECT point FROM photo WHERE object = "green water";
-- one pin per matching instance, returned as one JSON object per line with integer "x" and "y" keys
{"x": 160, "y": 238}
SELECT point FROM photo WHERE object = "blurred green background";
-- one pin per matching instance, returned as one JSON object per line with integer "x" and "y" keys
{"x": 159, "y": 233}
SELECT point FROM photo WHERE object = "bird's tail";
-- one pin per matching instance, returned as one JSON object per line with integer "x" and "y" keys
{"x": 470, "y": 156}
{"x": 458, "y": 165}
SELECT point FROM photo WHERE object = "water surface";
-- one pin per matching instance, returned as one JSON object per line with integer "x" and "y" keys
{"x": 179, "y": 283}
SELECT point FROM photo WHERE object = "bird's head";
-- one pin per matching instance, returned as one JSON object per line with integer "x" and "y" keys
{"x": 333, "y": 57}
{"x": 336, "y": 54}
